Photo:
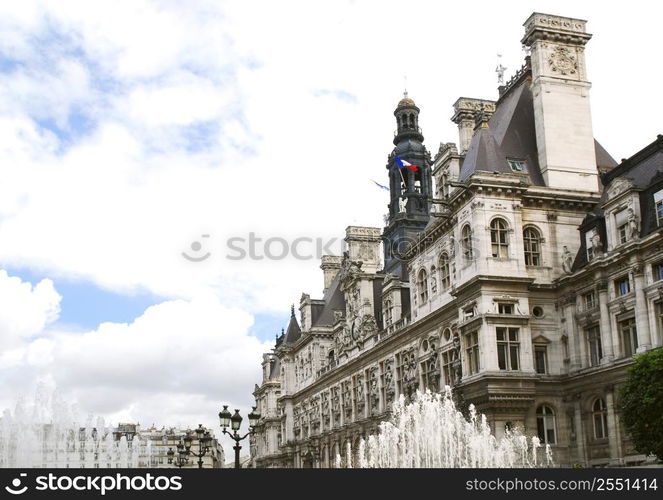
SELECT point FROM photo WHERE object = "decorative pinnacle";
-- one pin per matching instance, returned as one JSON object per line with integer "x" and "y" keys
{"x": 292, "y": 310}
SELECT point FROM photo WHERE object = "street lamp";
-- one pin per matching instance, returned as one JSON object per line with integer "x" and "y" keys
{"x": 234, "y": 421}
{"x": 184, "y": 448}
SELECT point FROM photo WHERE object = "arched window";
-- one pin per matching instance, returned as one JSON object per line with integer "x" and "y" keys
{"x": 445, "y": 280}
{"x": 545, "y": 424}
{"x": 600, "y": 417}
{"x": 466, "y": 242}
{"x": 422, "y": 284}
{"x": 532, "y": 241}
{"x": 499, "y": 238}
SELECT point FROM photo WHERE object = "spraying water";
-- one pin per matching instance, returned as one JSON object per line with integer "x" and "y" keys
{"x": 431, "y": 432}
{"x": 49, "y": 433}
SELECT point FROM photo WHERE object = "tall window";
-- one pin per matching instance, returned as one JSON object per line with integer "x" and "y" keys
{"x": 472, "y": 352}
{"x": 388, "y": 311}
{"x": 422, "y": 283}
{"x": 448, "y": 358}
{"x": 508, "y": 348}
{"x": 545, "y": 424}
{"x": 541, "y": 359}
{"x": 621, "y": 223}
{"x": 499, "y": 238}
{"x": 622, "y": 286}
{"x": 445, "y": 280}
{"x": 600, "y": 417}
{"x": 590, "y": 300}
{"x": 657, "y": 271}
{"x": 658, "y": 202}
{"x": 629, "y": 335}
{"x": 532, "y": 240}
{"x": 594, "y": 344}
{"x": 466, "y": 241}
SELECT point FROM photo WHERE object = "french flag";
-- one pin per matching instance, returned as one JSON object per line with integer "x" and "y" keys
{"x": 405, "y": 164}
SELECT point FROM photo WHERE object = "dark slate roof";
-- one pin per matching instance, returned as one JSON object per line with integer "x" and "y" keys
{"x": 275, "y": 370}
{"x": 603, "y": 158}
{"x": 484, "y": 155}
{"x": 512, "y": 129}
{"x": 293, "y": 332}
{"x": 645, "y": 170}
{"x": 334, "y": 298}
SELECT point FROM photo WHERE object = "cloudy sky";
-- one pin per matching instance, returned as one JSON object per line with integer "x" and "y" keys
{"x": 131, "y": 129}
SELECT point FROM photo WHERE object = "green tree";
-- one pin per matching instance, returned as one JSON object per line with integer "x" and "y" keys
{"x": 642, "y": 403}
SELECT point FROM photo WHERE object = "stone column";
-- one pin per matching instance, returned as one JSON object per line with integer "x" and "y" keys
{"x": 576, "y": 345}
{"x": 641, "y": 314}
{"x": 613, "y": 427}
{"x": 606, "y": 330}
{"x": 580, "y": 433}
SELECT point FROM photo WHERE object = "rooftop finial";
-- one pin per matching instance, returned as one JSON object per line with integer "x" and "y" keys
{"x": 500, "y": 70}
{"x": 404, "y": 85}
{"x": 292, "y": 309}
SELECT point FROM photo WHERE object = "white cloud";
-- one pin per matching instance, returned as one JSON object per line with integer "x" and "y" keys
{"x": 225, "y": 119}
{"x": 26, "y": 309}
{"x": 175, "y": 364}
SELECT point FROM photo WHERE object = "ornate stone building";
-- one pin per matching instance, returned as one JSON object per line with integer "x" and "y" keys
{"x": 523, "y": 267}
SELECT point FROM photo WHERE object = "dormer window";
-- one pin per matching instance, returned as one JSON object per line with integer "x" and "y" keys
{"x": 621, "y": 222}
{"x": 503, "y": 308}
{"x": 517, "y": 165}
{"x": 658, "y": 202}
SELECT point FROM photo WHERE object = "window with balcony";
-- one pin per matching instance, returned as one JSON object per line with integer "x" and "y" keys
{"x": 499, "y": 238}
{"x": 629, "y": 337}
{"x": 472, "y": 352}
{"x": 532, "y": 244}
{"x": 594, "y": 345}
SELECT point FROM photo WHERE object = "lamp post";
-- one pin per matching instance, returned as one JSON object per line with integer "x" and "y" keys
{"x": 234, "y": 422}
{"x": 184, "y": 448}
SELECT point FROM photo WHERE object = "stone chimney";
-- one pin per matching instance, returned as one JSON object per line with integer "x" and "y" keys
{"x": 330, "y": 266}
{"x": 466, "y": 112}
{"x": 560, "y": 89}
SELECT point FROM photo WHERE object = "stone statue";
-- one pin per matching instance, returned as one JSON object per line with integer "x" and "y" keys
{"x": 596, "y": 243}
{"x": 633, "y": 224}
{"x": 567, "y": 260}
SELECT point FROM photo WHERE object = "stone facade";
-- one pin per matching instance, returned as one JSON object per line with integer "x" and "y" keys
{"x": 510, "y": 273}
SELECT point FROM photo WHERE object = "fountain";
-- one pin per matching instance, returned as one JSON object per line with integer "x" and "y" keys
{"x": 431, "y": 432}
{"x": 48, "y": 433}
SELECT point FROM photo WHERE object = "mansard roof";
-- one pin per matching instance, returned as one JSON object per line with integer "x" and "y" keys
{"x": 511, "y": 134}
{"x": 334, "y": 298}
{"x": 643, "y": 172}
